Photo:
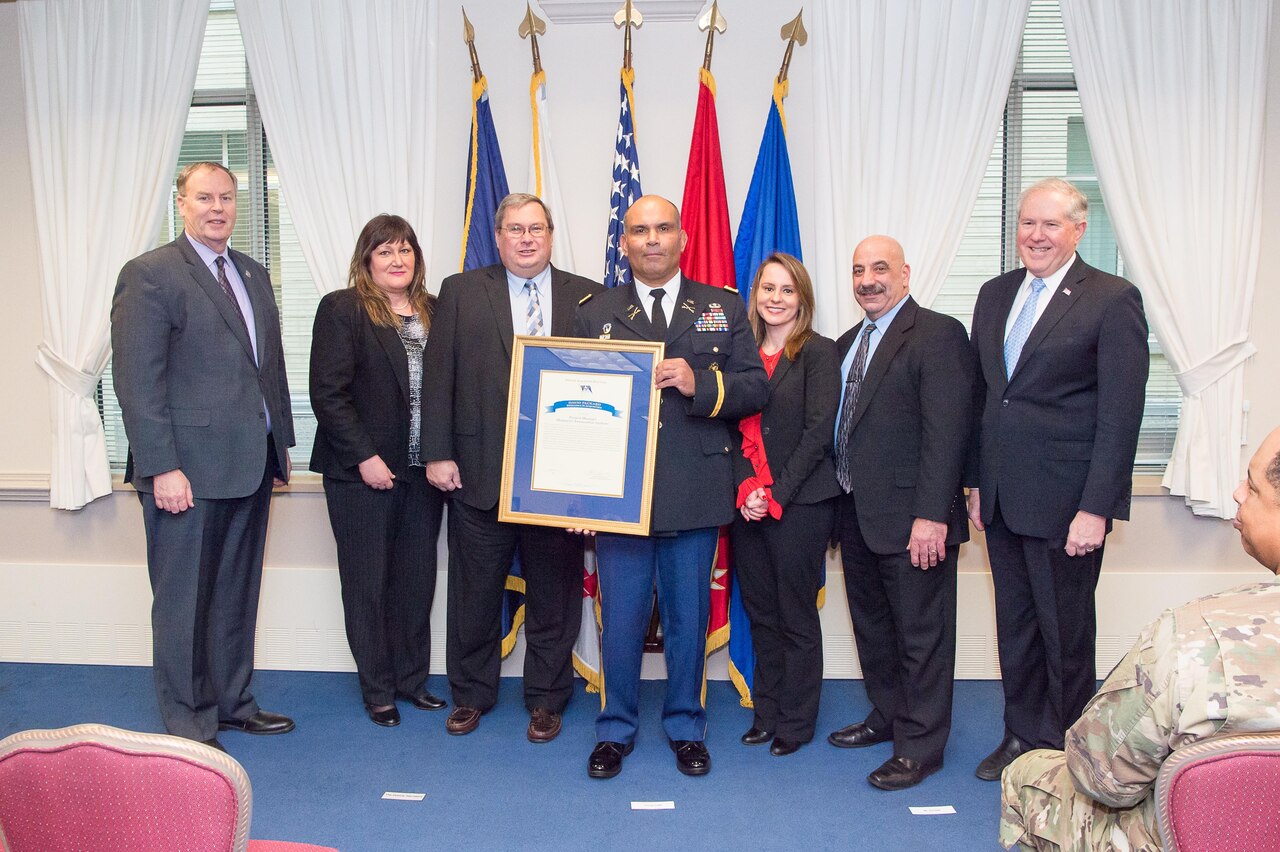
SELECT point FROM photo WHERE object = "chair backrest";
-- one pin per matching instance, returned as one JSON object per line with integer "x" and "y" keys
{"x": 103, "y": 788}
{"x": 1221, "y": 794}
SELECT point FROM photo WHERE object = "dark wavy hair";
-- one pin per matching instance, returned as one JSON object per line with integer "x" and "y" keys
{"x": 387, "y": 228}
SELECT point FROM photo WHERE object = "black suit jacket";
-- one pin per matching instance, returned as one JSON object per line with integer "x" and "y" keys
{"x": 693, "y": 475}
{"x": 797, "y": 424}
{"x": 911, "y": 428}
{"x": 190, "y": 392}
{"x": 466, "y": 370}
{"x": 359, "y": 390}
{"x": 1060, "y": 434}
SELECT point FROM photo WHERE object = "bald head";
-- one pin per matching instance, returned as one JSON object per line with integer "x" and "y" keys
{"x": 881, "y": 276}
{"x": 652, "y": 240}
{"x": 1258, "y": 499}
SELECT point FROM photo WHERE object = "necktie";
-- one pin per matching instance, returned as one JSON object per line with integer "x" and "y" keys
{"x": 659, "y": 318}
{"x": 1022, "y": 327}
{"x": 533, "y": 316}
{"x": 852, "y": 385}
{"x": 225, "y": 284}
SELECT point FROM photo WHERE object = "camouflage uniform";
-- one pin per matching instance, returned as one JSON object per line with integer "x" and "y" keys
{"x": 1209, "y": 667}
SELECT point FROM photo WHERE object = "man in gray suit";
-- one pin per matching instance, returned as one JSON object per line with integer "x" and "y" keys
{"x": 199, "y": 371}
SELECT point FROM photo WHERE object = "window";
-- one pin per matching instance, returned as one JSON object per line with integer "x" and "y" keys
{"x": 1043, "y": 135}
{"x": 224, "y": 125}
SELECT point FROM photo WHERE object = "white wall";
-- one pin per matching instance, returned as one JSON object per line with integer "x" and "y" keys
{"x": 73, "y": 586}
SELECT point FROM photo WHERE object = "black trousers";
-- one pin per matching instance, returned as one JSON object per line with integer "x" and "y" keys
{"x": 205, "y": 566}
{"x": 904, "y": 623}
{"x": 780, "y": 566}
{"x": 387, "y": 563}
{"x": 480, "y": 554}
{"x": 1046, "y": 632}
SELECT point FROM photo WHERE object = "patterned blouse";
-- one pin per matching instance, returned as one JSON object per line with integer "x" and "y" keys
{"x": 413, "y": 336}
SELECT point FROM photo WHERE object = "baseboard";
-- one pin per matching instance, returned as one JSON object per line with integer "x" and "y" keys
{"x": 100, "y": 614}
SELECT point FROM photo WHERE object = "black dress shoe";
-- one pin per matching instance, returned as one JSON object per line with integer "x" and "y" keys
{"x": 388, "y": 717}
{"x": 262, "y": 722}
{"x": 782, "y": 746}
{"x": 213, "y": 743}
{"x": 606, "y": 759}
{"x": 899, "y": 773}
{"x": 692, "y": 757}
{"x": 423, "y": 700}
{"x": 756, "y": 736}
{"x": 858, "y": 735}
{"x": 993, "y": 764}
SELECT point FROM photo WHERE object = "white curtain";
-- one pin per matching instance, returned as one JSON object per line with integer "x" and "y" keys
{"x": 1172, "y": 93}
{"x": 908, "y": 96}
{"x": 107, "y": 87}
{"x": 347, "y": 90}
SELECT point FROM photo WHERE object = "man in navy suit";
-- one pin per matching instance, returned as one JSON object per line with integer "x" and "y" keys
{"x": 466, "y": 368}
{"x": 711, "y": 377}
{"x": 901, "y": 440}
{"x": 199, "y": 371}
{"x": 1063, "y": 354}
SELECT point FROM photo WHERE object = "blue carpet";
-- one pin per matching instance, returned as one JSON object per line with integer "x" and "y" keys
{"x": 493, "y": 790}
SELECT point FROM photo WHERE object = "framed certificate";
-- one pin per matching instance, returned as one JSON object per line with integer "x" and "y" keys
{"x": 582, "y": 433}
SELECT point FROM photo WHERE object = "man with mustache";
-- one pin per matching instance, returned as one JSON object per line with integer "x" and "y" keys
{"x": 901, "y": 437}
{"x": 1208, "y": 667}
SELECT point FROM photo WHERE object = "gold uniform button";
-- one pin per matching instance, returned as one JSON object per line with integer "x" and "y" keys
{"x": 715, "y": 348}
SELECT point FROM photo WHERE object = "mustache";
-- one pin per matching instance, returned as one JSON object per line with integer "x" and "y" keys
{"x": 870, "y": 290}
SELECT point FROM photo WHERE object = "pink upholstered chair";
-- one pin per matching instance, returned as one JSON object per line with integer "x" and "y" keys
{"x": 1221, "y": 794}
{"x": 94, "y": 787}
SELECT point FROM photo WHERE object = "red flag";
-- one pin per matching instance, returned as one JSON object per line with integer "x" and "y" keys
{"x": 704, "y": 213}
{"x": 708, "y": 257}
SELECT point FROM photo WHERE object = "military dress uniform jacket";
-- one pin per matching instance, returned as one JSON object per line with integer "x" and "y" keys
{"x": 693, "y": 476}
{"x": 1209, "y": 667}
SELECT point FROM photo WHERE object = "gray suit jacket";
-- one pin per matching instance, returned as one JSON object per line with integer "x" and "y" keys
{"x": 190, "y": 392}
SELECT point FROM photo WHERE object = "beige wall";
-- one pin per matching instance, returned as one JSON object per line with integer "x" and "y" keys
{"x": 74, "y": 584}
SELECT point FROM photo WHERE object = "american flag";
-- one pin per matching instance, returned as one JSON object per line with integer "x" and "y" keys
{"x": 626, "y": 183}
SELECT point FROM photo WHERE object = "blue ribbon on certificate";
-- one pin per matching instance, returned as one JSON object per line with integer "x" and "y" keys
{"x": 583, "y": 403}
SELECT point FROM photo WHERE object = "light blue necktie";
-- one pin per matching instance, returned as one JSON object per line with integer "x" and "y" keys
{"x": 533, "y": 316}
{"x": 1022, "y": 327}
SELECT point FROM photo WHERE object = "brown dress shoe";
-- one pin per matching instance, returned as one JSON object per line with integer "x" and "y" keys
{"x": 543, "y": 725}
{"x": 463, "y": 720}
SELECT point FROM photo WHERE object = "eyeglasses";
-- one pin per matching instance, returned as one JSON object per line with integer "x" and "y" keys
{"x": 515, "y": 232}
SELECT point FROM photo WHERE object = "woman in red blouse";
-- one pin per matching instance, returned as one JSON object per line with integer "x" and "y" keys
{"x": 786, "y": 479}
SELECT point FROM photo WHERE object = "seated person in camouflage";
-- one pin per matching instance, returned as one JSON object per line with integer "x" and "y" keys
{"x": 1209, "y": 667}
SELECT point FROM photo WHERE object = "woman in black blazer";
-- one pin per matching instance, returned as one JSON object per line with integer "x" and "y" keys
{"x": 786, "y": 479}
{"x": 366, "y": 390}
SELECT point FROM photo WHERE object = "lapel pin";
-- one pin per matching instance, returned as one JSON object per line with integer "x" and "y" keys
{"x": 632, "y": 312}
{"x": 608, "y": 327}
{"x": 1066, "y": 291}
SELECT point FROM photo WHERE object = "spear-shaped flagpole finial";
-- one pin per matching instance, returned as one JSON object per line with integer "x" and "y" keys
{"x": 469, "y": 36}
{"x": 628, "y": 16}
{"x": 712, "y": 22}
{"x": 793, "y": 33}
{"x": 531, "y": 27}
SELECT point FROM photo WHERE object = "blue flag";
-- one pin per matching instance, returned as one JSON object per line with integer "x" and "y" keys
{"x": 486, "y": 183}
{"x": 626, "y": 183}
{"x": 769, "y": 223}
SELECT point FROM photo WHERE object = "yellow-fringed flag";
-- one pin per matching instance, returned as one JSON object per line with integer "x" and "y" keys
{"x": 708, "y": 257}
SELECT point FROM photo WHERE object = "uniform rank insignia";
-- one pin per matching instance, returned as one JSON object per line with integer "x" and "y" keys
{"x": 712, "y": 319}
